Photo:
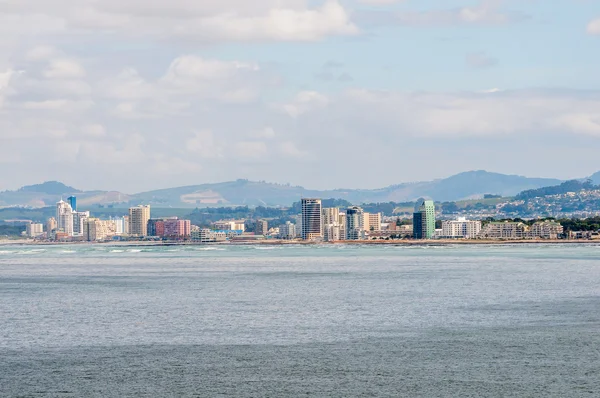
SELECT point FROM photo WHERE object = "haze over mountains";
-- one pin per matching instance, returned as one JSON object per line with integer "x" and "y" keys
{"x": 467, "y": 185}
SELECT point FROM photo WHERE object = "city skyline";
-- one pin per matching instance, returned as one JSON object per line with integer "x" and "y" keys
{"x": 225, "y": 90}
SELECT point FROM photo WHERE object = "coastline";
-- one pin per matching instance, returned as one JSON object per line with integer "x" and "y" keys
{"x": 437, "y": 242}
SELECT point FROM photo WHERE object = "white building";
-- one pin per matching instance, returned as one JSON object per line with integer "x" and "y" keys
{"x": 34, "y": 230}
{"x": 333, "y": 233}
{"x": 504, "y": 230}
{"x": 461, "y": 228}
{"x": 206, "y": 235}
{"x": 234, "y": 225}
{"x": 287, "y": 231}
{"x": 64, "y": 217}
{"x": 121, "y": 225}
{"x": 546, "y": 230}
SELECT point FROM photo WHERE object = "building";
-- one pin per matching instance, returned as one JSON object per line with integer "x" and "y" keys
{"x": 64, "y": 218}
{"x": 333, "y": 233}
{"x": 72, "y": 201}
{"x": 312, "y": 222}
{"x": 51, "y": 225}
{"x": 372, "y": 222}
{"x": 175, "y": 228}
{"x": 206, "y": 235}
{"x": 504, "y": 230}
{"x": 138, "y": 220}
{"x": 424, "y": 219}
{"x": 461, "y": 228}
{"x": 95, "y": 230}
{"x": 151, "y": 230}
{"x": 355, "y": 227}
{"x": 546, "y": 230}
{"x": 34, "y": 230}
{"x": 121, "y": 224}
{"x": 78, "y": 219}
{"x": 261, "y": 227}
{"x": 287, "y": 231}
{"x": 234, "y": 225}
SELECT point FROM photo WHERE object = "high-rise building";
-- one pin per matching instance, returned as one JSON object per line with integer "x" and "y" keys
{"x": 261, "y": 227}
{"x": 312, "y": 222}
{"x": 355, "y": 228}
{"x": 72, "y": 200}
{"x": 78, "y": 219}
{"x": 372, "y": 222}
{"x": 51, "y": 225}
{"x": 138, "y": 220}
{"x": 64, "y": 218}
{"x": 424, "y": 219}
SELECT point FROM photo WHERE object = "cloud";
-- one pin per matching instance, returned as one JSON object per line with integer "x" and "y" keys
{"x": 487, "y": 12}
{"x": 593, "y": 27}
{"x": 480, "y": 60}
{"x": 204, "y": 21}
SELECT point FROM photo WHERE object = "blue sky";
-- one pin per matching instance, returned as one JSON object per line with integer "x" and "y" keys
{"x": 147, "y": 94}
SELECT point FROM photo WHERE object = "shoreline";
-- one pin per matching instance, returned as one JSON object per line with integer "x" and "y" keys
{"x": 440, "y": 242}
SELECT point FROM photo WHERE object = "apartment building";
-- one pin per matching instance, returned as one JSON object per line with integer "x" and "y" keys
{"x": 461, "y": 228}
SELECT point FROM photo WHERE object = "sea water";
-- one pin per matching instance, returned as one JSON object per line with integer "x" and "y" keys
{"x": 289, "y": 321}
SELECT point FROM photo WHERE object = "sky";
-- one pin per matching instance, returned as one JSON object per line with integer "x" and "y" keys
{"x": 138, "y": 95}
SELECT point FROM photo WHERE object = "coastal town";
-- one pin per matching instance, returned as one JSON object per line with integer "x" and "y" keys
{"x": 315, "y": 223}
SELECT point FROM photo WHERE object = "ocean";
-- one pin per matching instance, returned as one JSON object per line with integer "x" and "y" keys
{"x": 290, "y": 321}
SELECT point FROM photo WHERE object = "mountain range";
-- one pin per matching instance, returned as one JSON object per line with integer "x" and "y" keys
{"x": 467, "y": 185}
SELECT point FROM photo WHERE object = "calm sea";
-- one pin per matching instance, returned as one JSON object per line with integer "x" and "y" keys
{"x": 331, "y": 321}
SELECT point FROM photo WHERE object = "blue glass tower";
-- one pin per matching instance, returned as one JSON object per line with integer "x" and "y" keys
{"x": 72, "y": 200}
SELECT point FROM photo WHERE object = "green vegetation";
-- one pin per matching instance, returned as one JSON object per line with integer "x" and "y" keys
{"x": 11, "y": 231}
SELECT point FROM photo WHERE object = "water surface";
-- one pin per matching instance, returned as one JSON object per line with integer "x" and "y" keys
{"x": 293, "y": 321}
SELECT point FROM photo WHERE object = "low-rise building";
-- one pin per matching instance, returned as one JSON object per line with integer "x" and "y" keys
{"x": 333, "y": 233}
{"x": 95, "y": 230}
{"x": 287, "y": 231}
{"x": 233, "y": 225}
{"x": 461, "y": 228}
{"x": 504, "y": 230}
{"x": 205, "y": 235}
{"x": 546, "y": 230}
{"x": 34, "y": 230}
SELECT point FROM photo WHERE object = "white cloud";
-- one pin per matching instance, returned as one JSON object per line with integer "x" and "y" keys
{"x": 593, "y": 27}
{"x": 64, "y": 69}
{"x": 207, "y": 20}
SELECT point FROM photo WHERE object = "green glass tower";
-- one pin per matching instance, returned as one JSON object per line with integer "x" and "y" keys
{"x": 424, "y": 219}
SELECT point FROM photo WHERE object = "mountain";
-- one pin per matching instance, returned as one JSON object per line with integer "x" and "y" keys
{"x": 472, "y": 184}
{"x": 595, "y": 178}
{"x": 49, "y": 187}
{"x": 50, "y": 192}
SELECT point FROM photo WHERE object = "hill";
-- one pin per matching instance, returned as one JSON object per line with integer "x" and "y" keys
{"x": 468, "y": 185}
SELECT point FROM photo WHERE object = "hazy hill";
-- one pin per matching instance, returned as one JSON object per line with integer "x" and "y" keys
{"x": 472, "y": 184}
{"x": 242, "y": 192}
